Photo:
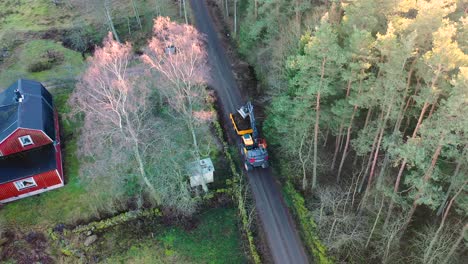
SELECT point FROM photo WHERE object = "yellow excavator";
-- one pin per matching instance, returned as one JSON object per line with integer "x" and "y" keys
{"x": 253, "y": 148}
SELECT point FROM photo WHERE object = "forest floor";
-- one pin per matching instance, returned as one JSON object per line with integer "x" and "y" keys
{"x": 25, "y": 224}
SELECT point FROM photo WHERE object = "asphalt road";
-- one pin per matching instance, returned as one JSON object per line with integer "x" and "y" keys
{"x": 283, "y": 240}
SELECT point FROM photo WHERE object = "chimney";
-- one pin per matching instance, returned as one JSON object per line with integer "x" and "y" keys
{"x": 18, "y": 96}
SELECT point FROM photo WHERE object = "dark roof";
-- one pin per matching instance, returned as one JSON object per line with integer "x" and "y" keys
{"x": 28, "y": 163}
{"x": 35, "y": 111}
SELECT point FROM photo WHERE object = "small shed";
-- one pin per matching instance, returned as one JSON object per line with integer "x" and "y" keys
{"x": 201, "y": 173}
{"x": 30, "y": 151}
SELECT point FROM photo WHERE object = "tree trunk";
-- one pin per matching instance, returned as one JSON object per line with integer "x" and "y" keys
{"x": 426, "y": 103}
{"x": 180, "y": 8}
{"x": 368, "y": 116}
{"x": 185, "y": 12}
{"x": 109, "y": 20}
{"x": 316, "y": 127}
{"x": 235, "y": 18}
{"x": 190, "y": 124}
{"x": 348, "y": 88}
{"x": 345, "y": 151}
{"x": 332, "y": 228}
{"x": 441, "y": 226}
{"x": 277, "y": 15}
{"x": 379, "y": 142}
{"x": 454, "y": 177}
{"x": 316, "y": 131}
{"x": 298, "y": 14}
{"x": 326, "y": 138}
{"x": 403, "y": 106}
{"x": 226, "y": 5}
{"x": 340, "y": 133}
{"x": 403, "y": 164}
{"x": 256, "y": 9}
{"x": 341, "y": 141}
{"x": 348, "y": 193}
{"x": 158, "y": 8}
{"x": 136, "y": 151}
{"x": 337, "y": 147}
{"x": 457, "y": 243}
{"x": 427, "y": 177}
{"x": 141, "y": 168}
{"x": 375, "y": 222}
{"x": 192, "y": 128}
{"x": 369, "y": 162}
{"x": 303, "y": 162}
{"x": 128, "y": 25}
{"x": 432, "y": 109}
{"x": 383, "y": 169}
{"x": 401, "y": 115}
{"x": 137, "y": 15}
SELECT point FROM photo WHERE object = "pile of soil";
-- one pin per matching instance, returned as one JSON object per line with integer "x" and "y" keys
{"x": 242, "y": 123}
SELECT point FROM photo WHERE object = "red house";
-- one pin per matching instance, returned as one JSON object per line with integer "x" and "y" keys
{"x": 30, "y": 156}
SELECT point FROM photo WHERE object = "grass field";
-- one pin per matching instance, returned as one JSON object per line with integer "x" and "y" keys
{"x": 27, "y": 15}
{"x": 214, "y": 240}
{"x": 34, "y": 52}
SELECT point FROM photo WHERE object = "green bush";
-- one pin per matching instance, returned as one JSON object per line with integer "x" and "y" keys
{"x": 46, "y": 61}
{"x": 40, "y": 65}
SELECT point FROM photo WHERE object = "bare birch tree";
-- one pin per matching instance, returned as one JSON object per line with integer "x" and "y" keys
{"x": 115, "y": 109}
{"x": 176, "y": 53}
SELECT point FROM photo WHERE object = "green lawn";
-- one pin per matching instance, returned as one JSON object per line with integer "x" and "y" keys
{"x": 25, "y": 55}
{"x": 215, "y": 240}
{"x": 27, "y": 15}
{"x": 148, "y": 252}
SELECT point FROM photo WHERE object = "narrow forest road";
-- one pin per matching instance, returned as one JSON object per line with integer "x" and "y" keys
{"x": 283, "y": 240}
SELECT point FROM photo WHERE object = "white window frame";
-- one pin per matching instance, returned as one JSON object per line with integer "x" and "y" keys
{"x": 20, "y": 184}
{"x": 26, "y": 137}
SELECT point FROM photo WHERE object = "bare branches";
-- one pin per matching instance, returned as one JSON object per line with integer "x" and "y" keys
{"x": 115, "y": 113}
{"x": 123, "y": 139}
{"x": 177, "y": 53}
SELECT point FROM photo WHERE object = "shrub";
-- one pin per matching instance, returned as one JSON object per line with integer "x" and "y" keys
{"x": 39, "y": 65}
{"x": 46, "y": 61}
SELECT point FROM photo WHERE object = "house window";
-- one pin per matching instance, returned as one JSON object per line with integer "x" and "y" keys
{"x": 26, "y": 140}
{"x": 25, "y": 184}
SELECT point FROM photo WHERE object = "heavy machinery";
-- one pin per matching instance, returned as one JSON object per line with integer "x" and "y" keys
{"x": 253, "y": 148}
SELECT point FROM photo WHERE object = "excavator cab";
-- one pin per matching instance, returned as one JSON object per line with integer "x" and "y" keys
{"x": 247, "y": 140}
